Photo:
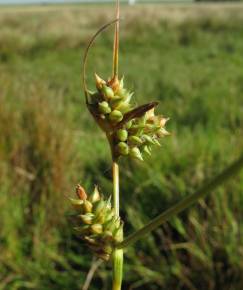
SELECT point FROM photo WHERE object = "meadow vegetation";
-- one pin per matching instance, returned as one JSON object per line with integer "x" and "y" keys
{"x": 187, "y": 58}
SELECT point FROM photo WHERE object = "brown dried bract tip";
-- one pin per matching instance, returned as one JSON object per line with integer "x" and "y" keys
{"x": 114, "y": 83}
{"x": 81, "y": 192}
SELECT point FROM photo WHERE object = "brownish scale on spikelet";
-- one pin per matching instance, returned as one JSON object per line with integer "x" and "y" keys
{"x": 95, "y": 222}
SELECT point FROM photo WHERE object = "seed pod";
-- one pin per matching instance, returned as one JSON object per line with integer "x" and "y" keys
{"x": 122, "y": 134}
{"x": 87, "y": 206}
{"x": 115, "y": 116}
{"x": 99, "y": 82}
{"x": 151, "y": 128}
{"x": 115, "y": 99}
{"x": 104, "y": 108}
{"x": 129, "y": 124}
{"x": 107, "y": 92}
{"x": 115, "y": 102}
{"x": 135, "y": 140}
{"x": 77, "y": 203}
{"x": 99, "y": 218}
{"x": 95, "y": 195}
{"x": 119, "y": 234}
{"x": 146, "y": 149}
{"x": 123, "y": 107}
{"x": 110, "y": 225}
{"x": 148, "y": 139}
{"x": 156, "y": 142}
{"x": 96, "y": 228}
{"x": 123, "y": 93}
{"x": 86, "y": 218}
{"x": 136, "y": 129}
{"x": 128, "y": 97}
{"x": 108, "y": 203}
{"x": 162, "y": 132}
{"x": 99, "y": 207}
{"x": 122, "y": 148}
{"x": 163, "y": 121}
{"x": 109, "y": 215}
{"x": 135, "y": 153}
{"x": 121, "y": 83}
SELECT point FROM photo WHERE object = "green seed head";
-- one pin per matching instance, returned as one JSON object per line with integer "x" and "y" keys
{"x": 95, "y": 195}
{"x": 104, "y": 108}
{"x": 86, "y": 218}
{"x": 148, "y": 139}
{"x": 122, "y": 148}
{"x": 96, "y": 228}
{"x": 99, "y": 229}
{"x": 119, "y": 234}
{"x": 146, "y": 149}
{"x": 87, "y": 206}
{"x": 107, "y": 92}
{"x": 115, "y": 116}
{"x": 123, "y": 93}
{"x": 123, "y": 107}
{"x": 128, "y": 125}
{"x": 77, "y": 204}
{"x": 122, "y": 134}
{"x": 135, "y": 140}
{"x": 99, "y": 207}
{"x": 99, "y": 82}
{"x": 135, "y": 153}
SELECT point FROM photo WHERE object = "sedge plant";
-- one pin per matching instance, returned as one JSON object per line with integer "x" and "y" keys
{"x": 131, "y": 132}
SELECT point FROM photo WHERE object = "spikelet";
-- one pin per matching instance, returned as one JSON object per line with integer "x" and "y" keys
{"x": 95, "y": 222}
{"x": 131, "y": 130}
{"x": 109, "y": 103}
{"x": 138, "y": 136}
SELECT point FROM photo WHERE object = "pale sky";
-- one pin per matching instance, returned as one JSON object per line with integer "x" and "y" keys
{"x": 33, "y": 1}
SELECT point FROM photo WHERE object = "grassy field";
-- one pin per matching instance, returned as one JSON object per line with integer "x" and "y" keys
{"x": 187, "y": 57}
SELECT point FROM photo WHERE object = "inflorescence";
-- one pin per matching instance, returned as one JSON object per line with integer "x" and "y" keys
{"x": 131, "y": 130}
{"x": 95, "y": 222}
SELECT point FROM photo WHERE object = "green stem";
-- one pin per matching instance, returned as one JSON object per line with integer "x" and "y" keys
{"x": 116, "y": 42}
{"x": 118, "y": 253}
{"x": 229, "y": 172}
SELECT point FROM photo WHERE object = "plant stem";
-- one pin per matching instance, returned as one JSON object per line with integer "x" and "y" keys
{"x": 116, "y": 42}
{"x": 117, "y": 262}
{"x": 229, "y": 172}
{"x": 117, "y": 257}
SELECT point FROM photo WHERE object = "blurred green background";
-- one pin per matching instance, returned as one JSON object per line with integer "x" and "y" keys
{"x": 190, "y": 59}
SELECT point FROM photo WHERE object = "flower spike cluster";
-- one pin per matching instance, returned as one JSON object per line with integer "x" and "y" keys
{"x": 131, "y": 130}
{"x": 109, "y": 103}
{"x": 95, "y": 222}
{"x": 138, "y": 135}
